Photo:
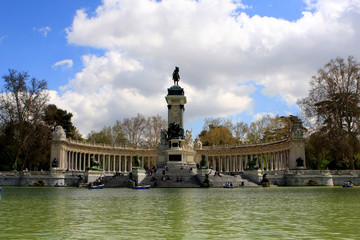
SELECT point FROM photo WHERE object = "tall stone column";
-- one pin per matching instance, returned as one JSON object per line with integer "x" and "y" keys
{"x": 114, "y": 164}
{"x": 76, "y": 156}
{"x": 104, "y": 163}
{"x": 246, "y": 161}
{"x": 221, "y": 163}
{"x": 73, "y": 161}
{"x": 125, "y": 162}
{"x": 80, "y": 161}
{"x": 120, "y": 163}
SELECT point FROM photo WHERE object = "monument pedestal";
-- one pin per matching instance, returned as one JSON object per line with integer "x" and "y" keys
{"x": 139, "y": 174}
{"x": 92, "y": 175}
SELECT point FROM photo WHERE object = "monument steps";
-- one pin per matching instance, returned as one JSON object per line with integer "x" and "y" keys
{"x": 236, "y": 180}
{"x": 172, "y": 176}
{"x": 115, "y": 181}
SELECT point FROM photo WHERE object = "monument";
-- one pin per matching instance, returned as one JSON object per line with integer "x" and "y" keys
{"x": 175, "y": 148}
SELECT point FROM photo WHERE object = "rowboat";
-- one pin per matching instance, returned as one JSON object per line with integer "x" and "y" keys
{"x": 348, "y": 185}
{"x": 228, "y": 185}
{"x": 141, "y": 187}
{"x": 97, "y": 186}
{"x": 59, "y": 185}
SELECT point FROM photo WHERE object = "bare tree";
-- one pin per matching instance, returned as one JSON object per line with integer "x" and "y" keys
{"x": 240, "y": 130}
{"x": 22, "y": 105}
{"x": 213, "y": 122}
{"x": 334, "y": 102}
{"x": 134, "y": 129}
{"x": 154, "y": 124}
{"x": 109, "y": 135}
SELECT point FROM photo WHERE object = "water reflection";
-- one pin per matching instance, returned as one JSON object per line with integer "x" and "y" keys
{"x": 247, "y": 213}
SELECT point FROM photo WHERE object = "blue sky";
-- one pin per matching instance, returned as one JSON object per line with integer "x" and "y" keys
{"x": 106, "y": 60}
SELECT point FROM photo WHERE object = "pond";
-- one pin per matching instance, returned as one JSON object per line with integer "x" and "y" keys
{"x": 239, "y": 213}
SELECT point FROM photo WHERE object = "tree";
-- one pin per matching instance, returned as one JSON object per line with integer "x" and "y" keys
{"x": 334, "y": 104}
{"x": 152, "y": 130}
{"x": 55, "y": 116}
{"x": 131, "y": 131}
{"x": 134, "y": 129}
{"x": 22, "y": 105}
{"x": 217, "y": 135}
{"x": 240, "y": 130}
{"x": 109, "y": 135}
{"x": 258, "y": 128}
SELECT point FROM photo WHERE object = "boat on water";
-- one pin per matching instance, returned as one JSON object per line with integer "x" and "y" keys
{"x": 348, "y": 184}
{"x": 141, "y": 187}
{"x": 228, "y": 185}
{"x": 97, "y": 186}
{"x": 59, "y": 185}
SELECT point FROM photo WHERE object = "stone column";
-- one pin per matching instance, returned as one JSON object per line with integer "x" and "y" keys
{"x": 104, "y": 163}
{"x": 114, "y": 163}
{"x": 280, "y": 160}
{"x": 125, "y": 162}
{"x": 228, "y": 163}
{"x": 236, "y": 163}
{"x": 73, "y": 161}
{"x": 77, "y": 161}
{"x": 221, "y": 161}
{"x": 119, "y": 167}
{"x": 239, "y": 163}
{"x": 80, "y": 161}
{"x": 62, "y": 160}
{"x": 130, "y": 163}
{"x": 67, "y": 160}
{"x": 109, "y": 163}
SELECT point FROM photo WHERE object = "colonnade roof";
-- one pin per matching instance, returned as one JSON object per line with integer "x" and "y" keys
{"x": 259, "y": 148}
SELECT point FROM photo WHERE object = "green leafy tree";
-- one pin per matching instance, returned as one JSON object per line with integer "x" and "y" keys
{"x": 55, "y": 116}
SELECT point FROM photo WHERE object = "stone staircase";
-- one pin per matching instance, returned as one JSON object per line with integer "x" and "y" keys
{"x": 115, "y": 181}
{"x": 189, "y": 176}
{"x": 236, "y": 180}
{"x": 175, "y": 177}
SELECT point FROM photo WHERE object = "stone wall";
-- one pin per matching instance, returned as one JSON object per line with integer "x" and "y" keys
{"x": 278, "y": 178}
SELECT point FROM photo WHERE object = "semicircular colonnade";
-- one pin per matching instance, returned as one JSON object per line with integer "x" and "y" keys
{"x": 72, "y": 155}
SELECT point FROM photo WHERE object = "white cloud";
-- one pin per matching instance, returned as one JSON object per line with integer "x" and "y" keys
{"x": 43, "y": 30}
{"x": 216, "y": 51}
{"x": 64, "y": 64}
{"x": 2, "y": 38}
{"x": 258, "y": 116}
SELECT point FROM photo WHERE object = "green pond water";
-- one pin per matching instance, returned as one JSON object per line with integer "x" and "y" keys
{"x": 241, "y": 213}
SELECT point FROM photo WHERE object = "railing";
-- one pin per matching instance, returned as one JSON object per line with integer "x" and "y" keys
{"x": 87, "y": 144}
{"x": 215, "y": 147}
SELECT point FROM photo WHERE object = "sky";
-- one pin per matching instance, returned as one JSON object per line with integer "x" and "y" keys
{"x": 239, "y": 59}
